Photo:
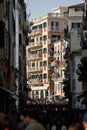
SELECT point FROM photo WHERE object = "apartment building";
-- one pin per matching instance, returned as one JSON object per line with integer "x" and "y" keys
{"x": 59, "y": 66}
{"x": 46, "y": 30}
{"x": 75, "y": 18}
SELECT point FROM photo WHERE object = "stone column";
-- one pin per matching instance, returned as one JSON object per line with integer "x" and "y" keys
{"x": 44, "y": 93}
{"x": 39, "y": 93}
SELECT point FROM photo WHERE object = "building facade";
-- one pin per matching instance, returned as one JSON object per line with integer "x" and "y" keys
{"x": 47, "y": 29}
{"x": 10, "y": 36}
{"x": 75, "y": 18}
{"x": 59, "y": 66}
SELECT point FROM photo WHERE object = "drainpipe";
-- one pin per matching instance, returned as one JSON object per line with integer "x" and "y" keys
{"x": 17, "y": 50}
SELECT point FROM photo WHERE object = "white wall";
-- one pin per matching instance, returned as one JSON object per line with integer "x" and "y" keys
{"x": 75, "y": 40}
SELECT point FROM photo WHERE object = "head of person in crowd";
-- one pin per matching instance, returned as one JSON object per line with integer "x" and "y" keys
{"x": 75, "y": 126}
{"x": 21, "y": 124}
{"x": 9, "y": 123}
{"x": 26, "y": 116}
{"x": 85, "y": 121}
{"x": 31, "y": 123}
{"x": 2, "y": 115}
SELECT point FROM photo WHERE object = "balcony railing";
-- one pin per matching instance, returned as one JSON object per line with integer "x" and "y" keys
{"x": 55, "y": 63}
{"x": 54, "y": 29}
{"x": 62, "y": 63}
{"x": 35, "y": 56}
{"x": 57, "y": 15}
{"x": 60, "y": 79}
{"x": 50, "y": 67}
{"x": 35, "y": 81}
{"x": 50, "y": 80}
{"x": 50, "y": 54}
{"x": 52, "y": 40}
{"x": 55, "y": 76}
{"x": 33, "y": 44}
{"x": 36, "y": 31}
{"x": 34, "y": 69}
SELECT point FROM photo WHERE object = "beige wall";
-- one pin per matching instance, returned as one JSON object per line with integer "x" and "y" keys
{"x": 72, "y": 12}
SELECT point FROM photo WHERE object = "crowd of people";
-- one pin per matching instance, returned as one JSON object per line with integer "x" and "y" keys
{"x": 36, "y": 116}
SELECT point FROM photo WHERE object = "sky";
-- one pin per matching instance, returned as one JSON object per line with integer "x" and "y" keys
{"x": 40, "y": 7}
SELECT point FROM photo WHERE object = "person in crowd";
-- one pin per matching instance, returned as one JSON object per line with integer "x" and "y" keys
{"x": 59, "y": 125}
{"x": 85, "y": 121}
{"x": 2, "y": 115}
{"x": 31, "y": 123}
{"x": 9, "y": 123}
{"x": 75, "y": 126}
{"x": 21, "y": 124}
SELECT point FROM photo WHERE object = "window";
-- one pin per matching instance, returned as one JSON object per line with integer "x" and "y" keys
{"x": 33, "y": 64}
{"x": 40, "y": 38}
{"x": 33, "y": 76}
{"x": 55, "y": 26}
{"x": 44, "y": 50}
{"x": 31, "y": 40}
{"x": 40, "y": 76}
{"x": 33, "y": 52}
{"x": 44, "y": 76}
{"x": 55, "y": 37}
{"x": 41, "y": 93}
{"x": 37, "y": 39}
{"x": 40, "y": 26}
{"x": 34, "y": 27}
{"x": 44, "y": 63}
{"x": 40, "y": 63}
{"x": 56, "y": 23}
{"x": 76, "y": 25}
{"x": 44, "y": 37}
{"x": 44, "y": 24}
{"x": 79, "y": 9}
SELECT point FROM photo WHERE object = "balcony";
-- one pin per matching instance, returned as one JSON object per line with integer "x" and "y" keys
{"x": 50, "y": 67}
{"x": 62, "y": 63}
{"x": 54, "y": 29}
{"x": 35, "y": 32}
{"x": 50, "y": 80}
{"x": 51, "y": 54}
{"x": 55, "y": 76}
{"x": 35, "y": 81}
{"x": 55, "y": 63}
{"x": 35, "y": 56}
{"x": 52, "y": 40}
{"x": 35, "y": 69}
{"x": 55, "y": 15}
{"x": 57, "y": 53}
{"x": 35, "y": 45}
{"x": 60, "y": 79}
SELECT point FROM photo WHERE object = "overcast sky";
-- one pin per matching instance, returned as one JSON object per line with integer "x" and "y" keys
{"x": 40, "y": 7}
